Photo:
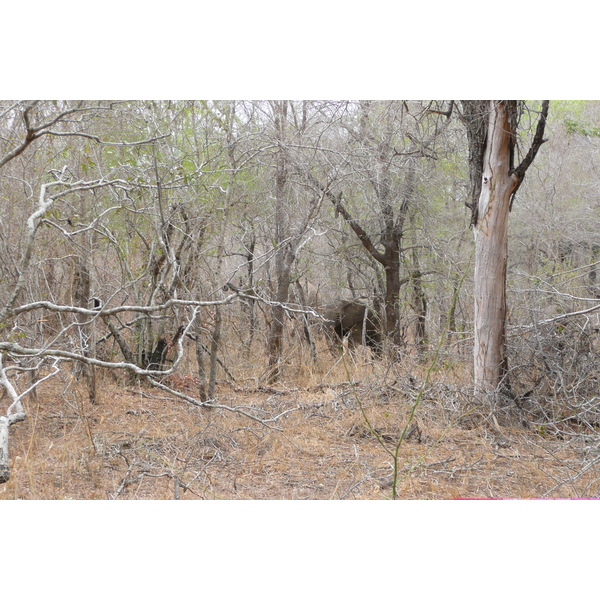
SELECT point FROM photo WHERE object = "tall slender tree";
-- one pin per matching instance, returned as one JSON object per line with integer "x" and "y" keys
{"x": 290, "y": 229}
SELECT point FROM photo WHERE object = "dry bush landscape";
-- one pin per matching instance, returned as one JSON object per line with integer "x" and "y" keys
{"x": 334, "y": 440}
{"x": 176, "y": 274}
{"x": 161, "y": 261}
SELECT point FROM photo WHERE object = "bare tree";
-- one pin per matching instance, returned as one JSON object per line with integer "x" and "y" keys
{"x": 289, "y": 233}
{"x": 146, "y": 239}
{"x": 492, "y": 131}
{"x": 386, "y": 139}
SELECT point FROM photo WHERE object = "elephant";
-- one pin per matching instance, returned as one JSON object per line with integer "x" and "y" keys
{"x": 356, "y": 321}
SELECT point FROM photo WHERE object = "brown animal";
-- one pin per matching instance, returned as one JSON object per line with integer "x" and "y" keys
{"x": 356, "y": 321}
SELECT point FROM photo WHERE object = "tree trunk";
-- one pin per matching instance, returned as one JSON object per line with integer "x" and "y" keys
{"x": 304, "y": 302}
{"x": 491, "y": 249}
{"x": 278, "y": 319}
{"x": 200, "y": 362}
{"x": 4, "y": 468}
{"x": 215, "y": 342}
{"x": 392, "y": 292}
{"x": 419, "y": 297}
{"x": 15, "y": 413}
{"x": 81, "y": 298}
{"x": 499, "y": 183}
{"x": 283, "y": 260}
{"x": 249, "y": 307}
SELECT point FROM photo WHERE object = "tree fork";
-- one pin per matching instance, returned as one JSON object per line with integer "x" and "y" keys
{"x": 500, "y": 181}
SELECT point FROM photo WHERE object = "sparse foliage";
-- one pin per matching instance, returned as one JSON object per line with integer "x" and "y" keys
{"x": 200, "y": 251}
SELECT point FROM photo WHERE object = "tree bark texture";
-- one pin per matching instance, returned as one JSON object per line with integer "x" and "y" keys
{"x": 491, "y": 250}
{"x": 15, "y": 413}
{"x": 474, "y": 113}
{"x": 4, "y": 468}
{"x": 499, "y": 183}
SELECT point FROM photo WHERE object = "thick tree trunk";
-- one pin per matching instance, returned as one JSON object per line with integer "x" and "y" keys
{"x": 491, "y": 250}
{"x": 392, "y": 293}
{"x": 495, "y": 132}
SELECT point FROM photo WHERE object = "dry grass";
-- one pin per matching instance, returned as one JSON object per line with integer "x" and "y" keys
{"x": 138, "y": 443}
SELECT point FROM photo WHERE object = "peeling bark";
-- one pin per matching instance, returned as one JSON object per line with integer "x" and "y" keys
{"x": 499, "y": 183}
